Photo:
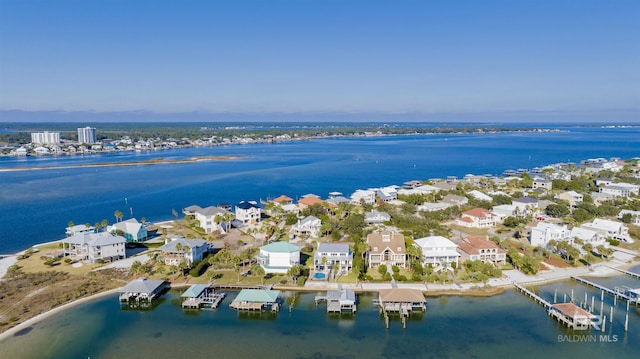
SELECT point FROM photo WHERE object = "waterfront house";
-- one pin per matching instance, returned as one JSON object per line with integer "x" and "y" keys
{"x": 387, "y": 194}
{"x": 178, "y": 249}
{"x": 363, "y": 197}
{"x": 586, "y": 236}
{"x": 609, "y": 229}
{"x": 191, "y": 210}
{"x": 309, "y": 200}
{"x": 330, "y": 256}
{"x": 421, "y": 189}
{"x": 480, "y": 248}
{"x": 438, "y": 252}
{"x": 376, "y": 217}
{"x": 283, "y": 199}
{"x": 572, "y": 197}
{"x": 248, "y": 212}
{"x": 256, "y": 299}
{"x": 131, "y": 229}
{"x": 543, "y": 232}
{"x": 79, "y": 228}
{"x": 211, "y": 219}
{"x": 279, "y": 257}
{"x": 340, "y": 301}
{"x": 477, "y": 218}
{"x": 95, "y": 247}
{"x": 386, "y": 248}
{"x": 308, "y": 227}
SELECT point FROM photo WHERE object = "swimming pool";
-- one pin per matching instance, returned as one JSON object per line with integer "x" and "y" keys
{"x": 319, "y": 275}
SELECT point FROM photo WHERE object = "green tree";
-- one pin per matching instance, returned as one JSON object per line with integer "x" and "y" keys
{"x": 258, "y": 271}
{"x": 118, "y": 215}
{"x": 557, "y": 210}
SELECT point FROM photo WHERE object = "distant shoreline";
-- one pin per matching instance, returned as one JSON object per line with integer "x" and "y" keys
{"x": 156, "y": 161}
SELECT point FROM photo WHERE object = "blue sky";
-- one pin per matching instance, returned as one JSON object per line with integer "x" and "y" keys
{"x": 320, "y": 56}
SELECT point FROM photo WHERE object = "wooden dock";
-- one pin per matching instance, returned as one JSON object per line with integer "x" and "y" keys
{"x": 630, "y": 274}
{"x": 617, "y": 292}
{"x": 208, "y": 302}
{"x": 536, "y": 298}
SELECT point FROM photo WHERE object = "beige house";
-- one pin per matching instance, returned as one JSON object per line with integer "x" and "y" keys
{"x": 480, "y": 248}
{"x": 386, "y": 248}
{"x": 477, "y": 218}
{"x": 572, "y": 197}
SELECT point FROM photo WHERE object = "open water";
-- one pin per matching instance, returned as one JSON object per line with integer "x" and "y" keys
{"x": 504, "y": 326}
{"x": 35, "y": 206}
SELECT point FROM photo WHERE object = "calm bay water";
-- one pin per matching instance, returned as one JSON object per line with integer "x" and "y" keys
{"x": 37, "y": 205}
{"x": 504, "y": 326}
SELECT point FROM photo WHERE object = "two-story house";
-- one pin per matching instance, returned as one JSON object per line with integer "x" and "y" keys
{"x": 386, "y": 248}
{"x": 333, "y": 256}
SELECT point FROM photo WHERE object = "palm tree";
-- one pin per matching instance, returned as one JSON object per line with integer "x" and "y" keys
{"x": 143, "y": 219}
{"x": 257, "y": 270}
{"x": 118, "y": 215}
{"x": 104, "y": 224}
{"x": 71, "y": 224}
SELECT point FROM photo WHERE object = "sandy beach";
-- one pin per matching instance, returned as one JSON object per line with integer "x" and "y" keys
{"x": 26, "y": 324}
{"x": 157, "y": 161}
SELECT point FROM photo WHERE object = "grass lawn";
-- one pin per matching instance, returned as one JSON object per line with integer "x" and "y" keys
{"x": 470, "y": 231}
{"x": 35, "y": 264}
{"x": 349, "y": 278}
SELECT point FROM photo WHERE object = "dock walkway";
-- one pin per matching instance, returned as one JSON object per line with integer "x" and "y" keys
{"x": 536, "y": 298}
{"x": 618, "y": 292}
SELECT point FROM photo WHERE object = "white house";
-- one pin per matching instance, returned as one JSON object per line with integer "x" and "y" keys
{"x": 210, "y": 218}
{"x": 542, "y": 183}
{"x": 376, "y": 217}
{"x": 431, "y": 207}
{"x": 587, "y": 236}
{"x": 309, "y": 227}
{"x": 544, "y": 232}
{"x": 131, "y": 229}
{"x": 279, "y": 257}
{"x": 635, "y": 216}
{"x": 438, "y": 251}
{"x": 330, "y": 255}
{"x": 177, "y": 249}
{"x": 525, "y": 205}
{"x": 363, "y": 196}
{"x": 95, "y": 247}
{"x": 621, "y": 189}
{"x": 248, "y": 212}
{"x": 455, "y": 200}
{"x": 609, "y": 229}
{"x": 79, "y": 228}
{"x": 387, "y": 194}
{"x": 477, "y": 218}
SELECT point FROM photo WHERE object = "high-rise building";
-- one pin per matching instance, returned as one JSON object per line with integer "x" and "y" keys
{"x": 45, "y": 138}
{"x": 86, "y": 135}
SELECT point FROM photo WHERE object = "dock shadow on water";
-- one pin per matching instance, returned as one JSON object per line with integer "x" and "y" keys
{"x": 23, "y": 331}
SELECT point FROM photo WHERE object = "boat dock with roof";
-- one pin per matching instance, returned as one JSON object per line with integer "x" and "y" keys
{"x": 142, "y": 290}
{"x": 256, "y": 300}
{"x": 339, "y": 301}
{"x": 403, "y": 301}
{"x": 201, "y": 296}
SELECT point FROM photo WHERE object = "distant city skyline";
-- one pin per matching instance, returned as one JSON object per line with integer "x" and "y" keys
{"x": 326, "y": 60}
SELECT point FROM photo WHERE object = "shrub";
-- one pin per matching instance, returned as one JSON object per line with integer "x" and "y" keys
{"x": 613, "y": 242}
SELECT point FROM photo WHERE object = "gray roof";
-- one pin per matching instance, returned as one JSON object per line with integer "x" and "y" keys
{"x": 211, "y": 211}
{"x": 95, "y": 239}
{"x": 333, "y": 247}
{"x": 192, "y": 243}
{"x": 526, "y": 200}
{"x": 142, "y": 285}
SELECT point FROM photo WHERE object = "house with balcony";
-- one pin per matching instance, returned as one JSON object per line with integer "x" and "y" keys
{"x": 211, "y": 219}
{"x": 543, "y": 232}
{"x": 178, "y": 249}
{"x": 635, "y": 216}
{"x": 542, "y": 183}
{"x": 279, "y": 257}
{"x": 480, "y": 248}
{"x": 363, "y": 197}
{"x": 586, "y": 236}
{"x": 609, "y": 229}
{"x": 621, "y": 189}
{"x": 95, "y": 247}
{"x": 131, "y": 229}
{"x": 386, "y": 248}
{"x": 333, "y": 256}
{"x": 308, "y": 227}
{"x": 248, "y": 212}
{"x": 438, "y": 252}
{"x": 477, "y": 218}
